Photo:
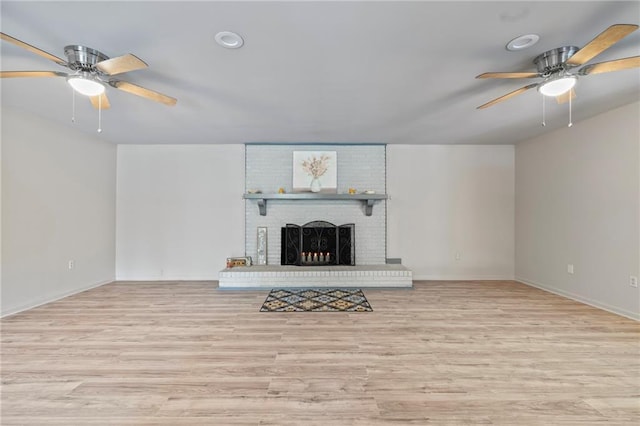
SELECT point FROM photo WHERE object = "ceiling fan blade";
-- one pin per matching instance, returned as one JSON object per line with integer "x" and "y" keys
{"x": 13, "y": 74}
{"x": 100, "y": 101}
{"x": 564, "y": 98}
{"x": 617, "y": 65}
{"x": 602, "y": 42}
{"x": 507, "y": 96}
{"x": 124, "y": 63}
{"x": 509, "y": 75}
{"x": 33, "y": 49}
{"x": 145, "y": 93}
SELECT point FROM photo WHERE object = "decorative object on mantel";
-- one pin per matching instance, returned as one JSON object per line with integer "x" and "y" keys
{"x": 281, "y": 190}
{"x": 316, "y": 300}
{"x": 352, "y": 191}
{"x": 254, "y": 191}
{"x": 262, "y": 245}
{"x": 239, "y": 261}
{"x": 315, "y": 171}
{"x": 369, "y": 192}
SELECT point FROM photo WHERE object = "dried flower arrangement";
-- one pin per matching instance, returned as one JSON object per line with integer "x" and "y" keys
{"x": 315, "y": 171}
{"x": 316, "y": 167}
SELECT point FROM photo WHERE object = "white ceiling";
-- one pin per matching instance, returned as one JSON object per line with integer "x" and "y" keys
{"x": 387, "y": 72}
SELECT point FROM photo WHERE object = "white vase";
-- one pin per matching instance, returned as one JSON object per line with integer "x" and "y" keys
{"x": 315, "y": 185}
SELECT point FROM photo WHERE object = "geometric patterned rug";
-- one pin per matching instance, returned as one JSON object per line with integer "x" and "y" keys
{"x": 316, "y": 300}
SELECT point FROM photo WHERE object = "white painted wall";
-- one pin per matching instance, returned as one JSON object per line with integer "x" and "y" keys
{"x": 180, "y": 211}
{"x": 578, "y": 202}
{"x": 58, "y": 204}
{"x": 452, "y": 199}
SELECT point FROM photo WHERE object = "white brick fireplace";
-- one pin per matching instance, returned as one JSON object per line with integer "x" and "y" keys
{"x": 363, "y": 167}
{"x": 269, "y": 167}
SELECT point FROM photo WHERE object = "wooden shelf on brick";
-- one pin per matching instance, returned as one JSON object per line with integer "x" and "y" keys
{"x": 367, "y": 199}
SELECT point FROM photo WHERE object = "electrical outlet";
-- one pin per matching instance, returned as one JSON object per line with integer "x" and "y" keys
{"x": 633, "y": 281}
{"x": 570, "y": 268}
{"x": 458, "y": 255}
{"x": 71, "y": 264}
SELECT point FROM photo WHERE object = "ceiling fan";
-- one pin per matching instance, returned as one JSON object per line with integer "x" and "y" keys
{"x": 556, "y": 66}
{"x": 91, "y": 72}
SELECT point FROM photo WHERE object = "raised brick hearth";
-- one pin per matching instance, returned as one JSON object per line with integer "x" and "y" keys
{"x": 271, "y": 276}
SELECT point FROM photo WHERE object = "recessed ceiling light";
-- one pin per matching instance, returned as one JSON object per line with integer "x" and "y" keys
{"x": 523, "y": 42}
{"x": 229, "y": 40}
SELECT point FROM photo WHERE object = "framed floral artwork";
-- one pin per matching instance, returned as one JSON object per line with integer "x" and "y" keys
{"x": 315, "y": 171}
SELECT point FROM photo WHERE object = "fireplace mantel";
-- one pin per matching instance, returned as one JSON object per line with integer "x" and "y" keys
{"x": 368, "y": 199}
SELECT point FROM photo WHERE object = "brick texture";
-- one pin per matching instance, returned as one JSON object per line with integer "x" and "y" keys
{"x": 363, "y": 167}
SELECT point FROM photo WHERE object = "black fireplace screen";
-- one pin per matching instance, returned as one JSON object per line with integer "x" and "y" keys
{"x": 318, "y": 243}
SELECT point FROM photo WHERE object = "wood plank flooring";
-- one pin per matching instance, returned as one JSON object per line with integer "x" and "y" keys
{"x": 444, "y": 353}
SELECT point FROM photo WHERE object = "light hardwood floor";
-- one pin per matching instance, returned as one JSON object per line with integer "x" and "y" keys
{"x": 444, "y": 353}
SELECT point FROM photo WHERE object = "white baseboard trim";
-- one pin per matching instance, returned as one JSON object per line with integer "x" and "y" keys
{"x": 462, "y": 277}
{"x": 166, "y": 281}
{"x": 596, "y": 304}
{"x": 44, "y": 301}
{"x": 165, "y": 278}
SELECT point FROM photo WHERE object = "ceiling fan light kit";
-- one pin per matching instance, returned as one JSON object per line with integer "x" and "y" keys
{"x": 85, "y": 84}
{"x": 556, "y": 86}
{"x": 557, "y": 67}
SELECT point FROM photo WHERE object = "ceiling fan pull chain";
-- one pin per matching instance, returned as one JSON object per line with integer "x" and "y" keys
{"x": 570, "y": 121}
{"x": 543, "y": 113}
{"x": 73, "y": 106}
{"x": 99, "y": 113}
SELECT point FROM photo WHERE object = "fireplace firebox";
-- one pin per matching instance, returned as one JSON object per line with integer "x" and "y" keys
{"x": 318, "y": 243}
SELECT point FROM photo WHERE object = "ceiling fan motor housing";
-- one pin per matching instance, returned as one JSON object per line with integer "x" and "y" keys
{"x": 84, "y": 58}
{"x": 554, "y": 60}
